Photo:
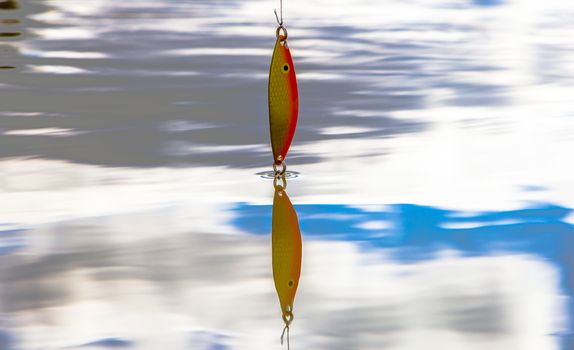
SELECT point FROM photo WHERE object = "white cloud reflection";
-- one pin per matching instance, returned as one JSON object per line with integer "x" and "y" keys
{"x": 65, "y": 54}
{"x": 192, "y": 284}
{"x": 57, "y": 69}
{"x": 44, "y": 132}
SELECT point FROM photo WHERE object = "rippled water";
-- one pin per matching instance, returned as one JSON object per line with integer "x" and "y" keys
{"x": 434, "y": 192}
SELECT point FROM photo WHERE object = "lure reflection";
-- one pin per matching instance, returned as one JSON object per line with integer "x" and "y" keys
{"x": 286, "y": 251}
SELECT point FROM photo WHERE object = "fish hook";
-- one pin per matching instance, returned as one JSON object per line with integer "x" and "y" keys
{"x": 280, "y": 22}
{"x": 283, "y": 334}
{"x": 287, "y": 321}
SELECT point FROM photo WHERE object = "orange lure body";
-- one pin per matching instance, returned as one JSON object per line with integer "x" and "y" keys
{"x": 283, "y": 100}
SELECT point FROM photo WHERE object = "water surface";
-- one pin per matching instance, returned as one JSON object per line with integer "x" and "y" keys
{"x": 434, "y": 196}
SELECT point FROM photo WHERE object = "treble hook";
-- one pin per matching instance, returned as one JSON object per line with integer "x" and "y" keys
{"x": 280, "y": 22}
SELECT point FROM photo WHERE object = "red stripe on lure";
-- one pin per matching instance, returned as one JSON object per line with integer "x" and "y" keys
{"x": 283, "y": 98}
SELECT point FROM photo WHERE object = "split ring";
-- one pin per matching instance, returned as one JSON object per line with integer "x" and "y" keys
{"x": 283, "y": 169}
{"x": 278, "y": 33}
{"x": 282, "y": 186}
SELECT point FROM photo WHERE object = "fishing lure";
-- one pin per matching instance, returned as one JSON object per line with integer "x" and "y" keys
{"x": 286, "y": 253}
{"x": 283, "y": 96}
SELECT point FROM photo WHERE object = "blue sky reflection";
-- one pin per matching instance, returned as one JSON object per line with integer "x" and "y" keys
{"x": 415, "y": 233}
